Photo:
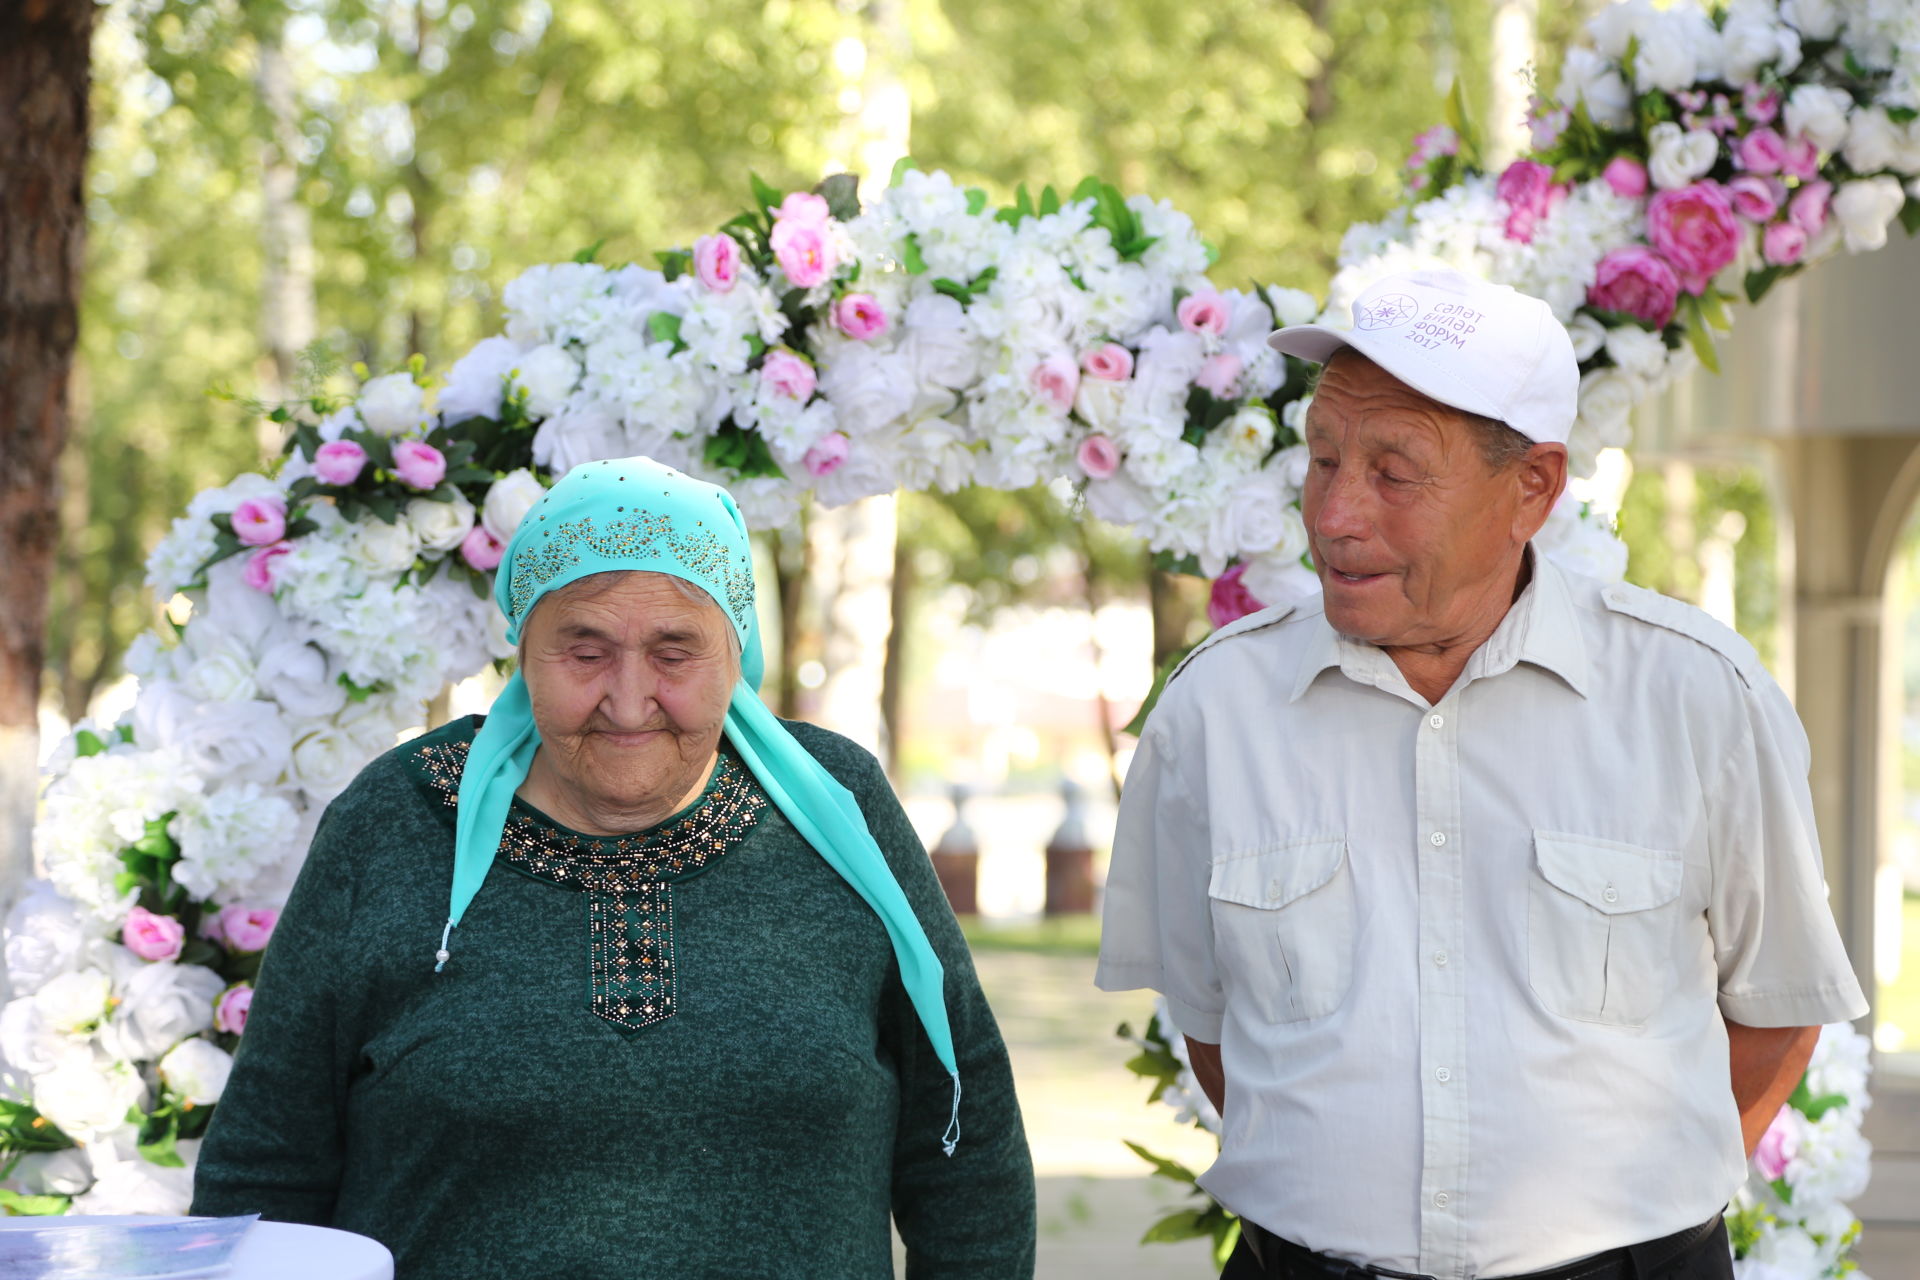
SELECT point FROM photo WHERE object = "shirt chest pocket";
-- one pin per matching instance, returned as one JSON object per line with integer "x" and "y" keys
{"x": 1602, "y": 923}
{"x": 1283, "y": 921}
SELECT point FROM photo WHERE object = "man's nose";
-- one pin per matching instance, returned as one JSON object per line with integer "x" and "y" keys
{"x": 1342, "y": 506}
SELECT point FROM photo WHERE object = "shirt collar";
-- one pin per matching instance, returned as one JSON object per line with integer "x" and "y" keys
{"x": 1542, "y": 628}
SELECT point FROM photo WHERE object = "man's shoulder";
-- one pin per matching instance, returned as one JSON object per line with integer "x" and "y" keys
{"x": 1260, "y": 636}
{"x": 1692, "y": 631}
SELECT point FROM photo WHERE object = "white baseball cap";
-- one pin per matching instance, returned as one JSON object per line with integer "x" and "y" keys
{"x": 1476, "y": 346}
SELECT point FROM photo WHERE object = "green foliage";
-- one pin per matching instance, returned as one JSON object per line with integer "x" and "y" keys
{"x": 24, "y": 1131}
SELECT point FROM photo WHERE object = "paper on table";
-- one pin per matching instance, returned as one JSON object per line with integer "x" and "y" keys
{"x": 179, "y": 1249}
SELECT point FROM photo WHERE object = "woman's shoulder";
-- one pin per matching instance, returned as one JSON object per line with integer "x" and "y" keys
{"x": 856, "y": 767}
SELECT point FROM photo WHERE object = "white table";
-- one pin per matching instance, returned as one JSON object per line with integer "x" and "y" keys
{"x": 270, "y": 1250}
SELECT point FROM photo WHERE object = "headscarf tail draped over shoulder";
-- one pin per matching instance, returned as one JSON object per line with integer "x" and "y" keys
{"x": 635, "y": 514}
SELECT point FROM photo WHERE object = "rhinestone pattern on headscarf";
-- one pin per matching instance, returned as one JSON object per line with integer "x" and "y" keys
{"x": 627, "y": 879}
{"x": 639, "y": 536}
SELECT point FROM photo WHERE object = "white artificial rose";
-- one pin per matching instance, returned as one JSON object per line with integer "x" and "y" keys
{"x": 1582, "y": 542}
{"x": 1614, "y": 27}
{"x": 1294, "y": 415}
{"x": 84, "y": 1096}
{"x": 1607, "y": 398}
{"x": 219, "y": 669}
{"x": 1819, "y": 114}
{"x": 53, "y": 1173}
{"x": 244, "y": 741}
{"x": 868, "y": 470}
{"x": 1665, "y": 60}
{"x": 160, "y": 1005}
{"x": 1120, "y": 500}
{"x": 508, "y": 501}
{"x": 1785, "y": 1246}
{"x": 296, "y": 674}
{"x": 1588, "y": 78}
{"x": 325, "y": 760}
{"x": 870, "y": 389}
{"x": 137, "y": 1187}
{"x": 1751, "y": 42}
{"x": 549, "y": 374}
{"x": 392, "y": 405}
{"x": 384, "y": 548}
{"x": 1874, "y": 141}
{"x": 1588, "y": 335}
{"x": 1279, "y": 580}
{"x": 72, "y": 1003}
{"x": 44, "y": 938}
{"x": 579, "y": 434}
{"x": 477, "y": 380}
{"x": 1292, "y": 306}
{"x": 1813, "y": 19}
{"x": 1291, "y": 463}
{"x": 229, "y": 836}
{"x": 1242, "y": 441}
{"x": 1258, "y": 517}
{"x": 1638, "y": 352}
{"x": 196, "y": 1071}
{"x": 440, "y": 526}
{"x": 1679, "y": 156}
{"x": 943, "y": 348}
{"x": 1864, "y": 210}
{"x": 1099, "y": 402}
{"x": 28, "y": 1044}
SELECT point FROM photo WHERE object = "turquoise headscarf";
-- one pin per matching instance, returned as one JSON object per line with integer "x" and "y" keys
{"x": 634, "y": 513}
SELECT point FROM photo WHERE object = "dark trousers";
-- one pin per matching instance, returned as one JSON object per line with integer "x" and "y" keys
{"x": 1709, "y": 1259}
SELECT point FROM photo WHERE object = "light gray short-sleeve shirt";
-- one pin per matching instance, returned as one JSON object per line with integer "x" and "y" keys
{"x": 1467, "y": 962}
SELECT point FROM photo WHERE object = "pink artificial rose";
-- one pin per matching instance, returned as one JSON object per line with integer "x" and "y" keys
{"x": 1755, "y": 198}
{"x": 1638, "y": 282}
{"x": 1777, "y": 1147}
{"x": 339, "y": 462}
{"x": 828, "y": 455}
{"x": 1784, "y": 244}
{"x": 1809, "y": 206}
{"x": 1056, "y": 380}
{"x": 230, "y": 1010}
{"x": 261, "y": 572}
{"x": 1230, "y": 598}
{"x": 1694, "y": 229}
{"x": 1203, "y": 313}
{"x": 716, "y": 260}
{"x": 788, "y": 374}
{"x": 1432, "y": 144}
{"x": 804, "y": 252}
{"x": 153, "y": 937}
{"x": 803, "y": 209}
{"x": 1528, "y": 189}
{"x": 260, "y": 522}
{"x": 1220, "y": 375}
{"x": 418, "y": 464}
{"x": 1109, "y": 363}
{"x": 1098, "y": 456}
{"x": 859, "y": 316}
{"x": 481, "y": 550}
{"x": 1761, "y": 104}
{"x": 1762, "y": 151}
{"x": 1626, "y": 176}
{"x": 247, "y": 928}
{"x": 1802, "y": 160}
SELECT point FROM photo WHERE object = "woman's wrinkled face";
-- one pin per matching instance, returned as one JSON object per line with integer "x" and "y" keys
{"x": 630, "y": 681}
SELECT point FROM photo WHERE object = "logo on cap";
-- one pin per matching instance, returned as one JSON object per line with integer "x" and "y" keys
{"x": 1389, "y": 311}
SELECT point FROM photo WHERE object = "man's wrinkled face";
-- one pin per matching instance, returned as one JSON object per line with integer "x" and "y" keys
{"x": 1413, "y": 534}
{"x": 630, "y": 681}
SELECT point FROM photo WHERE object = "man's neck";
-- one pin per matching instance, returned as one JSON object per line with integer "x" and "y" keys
{"x": 1432, "y": 669}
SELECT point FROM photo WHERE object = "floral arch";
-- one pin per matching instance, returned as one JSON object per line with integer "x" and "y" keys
{"x": 811, "y": 348}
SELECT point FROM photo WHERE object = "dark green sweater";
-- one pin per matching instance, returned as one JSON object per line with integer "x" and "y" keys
{"x": 486, "y": 1122}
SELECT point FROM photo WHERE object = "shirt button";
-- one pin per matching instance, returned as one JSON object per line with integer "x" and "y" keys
{"x": 1441, "y": 1199}
{"x": 1438, "y": 838}
{"x": 1435, "y": 720}
{"x": 1610, "y": 894}
{"x": 1275, "y": 891}
{"x": 1442, "y": 1075}
{"x": 1440, "y": 958}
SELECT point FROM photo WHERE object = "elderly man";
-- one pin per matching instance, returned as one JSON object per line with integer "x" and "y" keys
{"x": 1487, "y": 896}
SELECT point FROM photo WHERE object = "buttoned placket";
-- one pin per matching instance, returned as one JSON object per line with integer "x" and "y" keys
{"x": 1441, "y": 851}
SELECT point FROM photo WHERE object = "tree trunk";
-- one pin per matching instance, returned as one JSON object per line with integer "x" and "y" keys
{"x": 893, "y": 668}
{"x": 792, "y": 557}
{"x": 44, "y": 54}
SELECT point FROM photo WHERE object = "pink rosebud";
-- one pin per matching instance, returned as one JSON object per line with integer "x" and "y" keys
{"x": 1784, "y": 244}
{"x": 1694, "y": 229}
{"x": 247, "y": 928}
{"x": 859, "y": 316}
{"x": 481, "y": 550}
{"x": 418, "y": 464}
{"x": 339, "y": 462}
{"x": 1762, "y": 151}
{"x": 1626, "y": 176}
{"x": 1056, "y": 380}
{"x": 257, "y": 522}
{"x": 716, "y": 261}
{"x": 261, "y": 572}
{"x": 1777, "y": 1146}
{"x": 827, "y": 455}
{"x": 1755, "y": 198}
{"x": 803, "y": 209}
{"x": 230, "y": 1011}
{"x": 153, "y": 937}
{"x": 1109, "y": 363}
{"x": 1098, "y": 456}
{"x": 1203, "y": 313}
{"x": 1809, "y": 207}
{"x": 1761, "y": 104}
{"x": 788, "y": 374}
{"x": 804, "y": 251}
{"x": 1527, "y": 187}
{"x": 1220, "y": 375}
{"x": 1638, "y": 282}
{"x": 1802, "y": 160}
{"x": 1230, "y": 599}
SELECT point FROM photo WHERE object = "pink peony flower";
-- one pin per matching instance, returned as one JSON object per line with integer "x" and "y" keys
{"x": 1109, "y": 363}
{"x": 1694, "y": 229}
{"x": 1777, "y": 1146}
{"x": 247, "y": 928}
{"x": 230, "y": 1010}
{"x": 1761, "y": 104}
{"x": 262, "y": 567}
{"x": 418, "y": 464}
{"x": 804, "y": 251}
{"x": 828, "y": 455}
{"x": 259, "y": 522}
{"x": 1784, "y": 244}
{"x": 339, "y": 462}
{"x": 716, "y": 260}
{"x": 803, "y": 209}
{"x": 788, "y": 374}
{"x": 1809, "y": 207}
{"x": 1638, "y": 282}
{"x": 1528, "y": 190}
{"x": 1056, "y": 380}
{"x": 1626, "y": 176}
{"x": 1098, "y": 456}
{"x": 1203, "y": 313}
{"x": 153, "y": 937}
{"x": 481, "y": 550}
{"x": 1762, "y": 151}
{"x": 1230, "y": 598}
{"x": 1755, "y": 198}
{"x": 859, "y": 316}
{"x": 1220, "y": 375}
{"x": 1801, "y": 160}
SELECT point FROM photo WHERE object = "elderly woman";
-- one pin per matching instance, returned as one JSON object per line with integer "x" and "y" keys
{"x": 629, "y": 978}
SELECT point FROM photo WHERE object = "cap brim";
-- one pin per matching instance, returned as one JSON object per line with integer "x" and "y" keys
{"x": 1318, "y": 343}
{"x": 1315, "y": 342}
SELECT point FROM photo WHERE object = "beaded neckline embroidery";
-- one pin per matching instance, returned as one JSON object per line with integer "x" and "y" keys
{"x": 628, "y": 880}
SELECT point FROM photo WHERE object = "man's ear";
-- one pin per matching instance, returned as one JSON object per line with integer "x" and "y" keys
{"x": 1542, "y": 477}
